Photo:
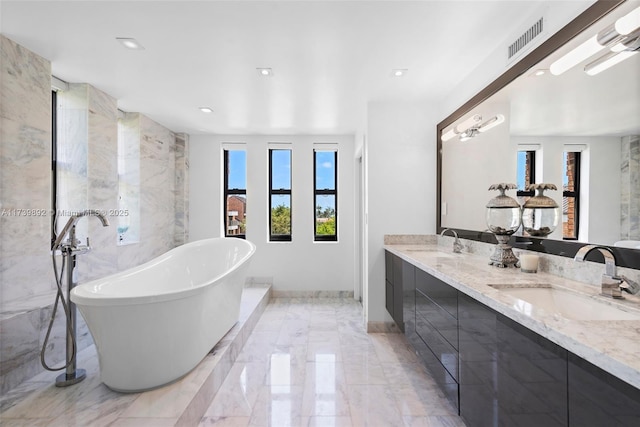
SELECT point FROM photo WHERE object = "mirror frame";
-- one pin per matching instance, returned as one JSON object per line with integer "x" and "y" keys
{"x": 624, "y": 257}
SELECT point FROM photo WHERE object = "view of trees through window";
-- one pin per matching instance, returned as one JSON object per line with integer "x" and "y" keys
{"x": 325, "y": 180}
{"x": 280, "y": 210}
{"x": 280, "y": 194}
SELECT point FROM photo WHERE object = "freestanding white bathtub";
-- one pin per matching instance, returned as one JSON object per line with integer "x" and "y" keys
{"x": 154, "y": 323}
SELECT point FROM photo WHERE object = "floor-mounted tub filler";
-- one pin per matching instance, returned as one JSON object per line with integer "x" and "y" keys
{"x": 154, "y": 323}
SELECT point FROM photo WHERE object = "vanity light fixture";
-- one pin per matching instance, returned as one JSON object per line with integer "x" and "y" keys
{"x": 265, "y": 72}
{"x": 462, "y": 127}
{"x": 618, "y": 53}
{"x": 576, "y": 56}
{"x": 130, "y": 43}
{"x": 621, "y": 37}
{"x": 491, "y": 123}
{"x": 472, "y": 126}
{"x": 628, "y": 23}
{"x": 399, "y": 72}
{"x": 606, "y": 61}
{"x": 206, "y": 109}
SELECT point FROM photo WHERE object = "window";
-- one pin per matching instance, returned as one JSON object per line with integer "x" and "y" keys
{"x": 570, "y": 195}
{"x": 526, "y": 171}
{"x": 279, "y": 195}
{"x": 325, "y": 182}
{"x": 235, "y": 193}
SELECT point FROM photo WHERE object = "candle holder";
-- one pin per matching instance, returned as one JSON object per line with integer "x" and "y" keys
{"x": 503, "y": 219}
{"x": 540, "y": 214}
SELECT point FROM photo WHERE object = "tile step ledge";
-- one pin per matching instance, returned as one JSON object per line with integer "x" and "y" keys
{"x": 182, "y": 403}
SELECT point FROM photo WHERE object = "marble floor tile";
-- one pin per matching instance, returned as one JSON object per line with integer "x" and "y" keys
{"x": 224, "y": 422}
{"x": 307, "y": 362}
{"x": 327, "y": 422}
{"x": 278, "y": 406}
{"x": 373, "y": 405}
{"x": 325, "y": 390}
{"x": 239, "y": 391}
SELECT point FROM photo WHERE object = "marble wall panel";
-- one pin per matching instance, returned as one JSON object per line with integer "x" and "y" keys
{"x": 182, "y": 189}
{"x": 26, "y": 85}
{"x": 630, "y": 188}
{"x": 19, "y": 352}
{"x": 103, "y": 183}
{"x": 88, "y": 179}
{"x": 25, "y": 156}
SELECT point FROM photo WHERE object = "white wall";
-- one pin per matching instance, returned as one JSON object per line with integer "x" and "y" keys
{"x": 557, "y": 14}
{"x": 401, "y": 182}
{"x": 472, "y": 166}
{"x": 299, "y": 265}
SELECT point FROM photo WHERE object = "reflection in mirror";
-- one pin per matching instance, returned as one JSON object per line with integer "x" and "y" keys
{"x": 578, "y": 129}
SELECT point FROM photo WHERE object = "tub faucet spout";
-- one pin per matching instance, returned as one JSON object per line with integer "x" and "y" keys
{"x": 69, "y": 226}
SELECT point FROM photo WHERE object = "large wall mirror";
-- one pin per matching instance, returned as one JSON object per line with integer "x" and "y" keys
{"x": 577, "y": 127}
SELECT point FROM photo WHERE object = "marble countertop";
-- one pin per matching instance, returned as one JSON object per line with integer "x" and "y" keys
{"x": 613, "y": 345}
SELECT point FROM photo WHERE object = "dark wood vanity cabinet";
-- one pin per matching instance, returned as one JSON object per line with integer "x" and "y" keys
{"x": 436, "y": 310}
{"x": 496, "y": 371}
{"x": 509, "y": 375}
{"x": 399, "y": 290}
{"x": 597, "y": 398}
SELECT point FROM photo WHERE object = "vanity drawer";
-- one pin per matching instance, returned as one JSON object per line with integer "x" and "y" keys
{"x": 445, "y": 353}
{"x": 442, "y": 294}
{"x": 439, "y": 319}
{"x": 443, "y": 378}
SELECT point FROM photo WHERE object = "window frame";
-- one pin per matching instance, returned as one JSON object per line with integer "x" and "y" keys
{"x": 532, "y": 174}
{"x": 575, "y": 194}
{"x": 325, "y": 192}
{"x": 230, "y": 192}
{"x": 280, "y": 192}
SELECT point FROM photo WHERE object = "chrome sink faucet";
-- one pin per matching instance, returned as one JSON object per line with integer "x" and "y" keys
{"x": 611, "y": 283}
{"x": 457, "y": 246}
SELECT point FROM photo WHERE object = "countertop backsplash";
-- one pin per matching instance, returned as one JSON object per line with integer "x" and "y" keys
{"x": 587, "y": 272}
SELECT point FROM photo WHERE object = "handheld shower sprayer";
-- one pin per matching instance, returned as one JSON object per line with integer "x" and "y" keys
{"x": 69, "y": 250}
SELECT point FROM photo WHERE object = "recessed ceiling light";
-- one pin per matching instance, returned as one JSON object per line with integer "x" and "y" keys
{"x": 206, "y": 109}
{"x": 130, "y": 43}
{"x": 266, "y": 72}
{"x": 399, "y": 72}
{"x": 539, "y": 72}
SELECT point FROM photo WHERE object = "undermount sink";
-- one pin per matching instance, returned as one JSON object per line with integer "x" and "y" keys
{"x": 565, "y": 303}
{"x": 434, "y": 252}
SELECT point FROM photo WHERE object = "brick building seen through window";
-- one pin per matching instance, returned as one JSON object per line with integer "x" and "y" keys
{"x": 236, "y": 215}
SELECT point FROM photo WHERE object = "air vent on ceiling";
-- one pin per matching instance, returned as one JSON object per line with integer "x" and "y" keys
{"x": 522, "y": 41}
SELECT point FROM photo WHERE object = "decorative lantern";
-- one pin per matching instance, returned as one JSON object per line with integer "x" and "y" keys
{"x": 503, "y": 219}
{"x": 540, "y": 214}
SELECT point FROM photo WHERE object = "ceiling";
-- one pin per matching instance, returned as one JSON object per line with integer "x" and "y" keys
{"x": 329, "y": 57}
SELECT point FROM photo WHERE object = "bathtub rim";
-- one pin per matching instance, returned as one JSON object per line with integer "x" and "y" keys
{"x": 84, "y": 294}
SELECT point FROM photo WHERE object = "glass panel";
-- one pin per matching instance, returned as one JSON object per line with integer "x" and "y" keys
{"x": 325, "y": 170}
{"x": 280, "y": 214}
{"x": 236, "y": 218}
{"x": 128, "y": 179}
{"x": 325, "y": 215}
{"x": 569, "y": 202}
{"x": 524, "y": 169}
{"x": 280, "y": 170}
{"x": 569, "y": 171}
{"x": 237, "y": 169}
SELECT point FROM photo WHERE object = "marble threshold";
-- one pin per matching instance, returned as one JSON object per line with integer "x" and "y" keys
{"x": 38, "y": 402}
